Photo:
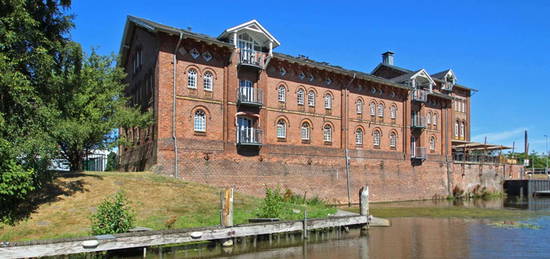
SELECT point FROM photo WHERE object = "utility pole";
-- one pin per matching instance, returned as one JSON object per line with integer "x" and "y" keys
{"x": 546, "y": 168}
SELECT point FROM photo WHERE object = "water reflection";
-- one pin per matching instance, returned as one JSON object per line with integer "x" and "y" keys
{"x": 413, "y": 237}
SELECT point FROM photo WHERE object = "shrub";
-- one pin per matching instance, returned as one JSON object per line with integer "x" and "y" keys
{"x": 113, "y": 215}
{"x": 272, "y": 206}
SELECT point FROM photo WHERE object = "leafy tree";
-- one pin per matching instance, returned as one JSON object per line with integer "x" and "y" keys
{"x": 91, "y": 104}
{"x": 114, "y": 215}
{"x": 33, "y": 33}
{"x": 112, "y": 162}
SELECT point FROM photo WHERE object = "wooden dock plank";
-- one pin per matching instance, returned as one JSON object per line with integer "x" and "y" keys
{"x": 154, "y": 238}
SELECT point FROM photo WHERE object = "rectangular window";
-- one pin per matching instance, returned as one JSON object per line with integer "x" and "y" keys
{"x": 281, "y": 131}
{"x": 305, "y": 133}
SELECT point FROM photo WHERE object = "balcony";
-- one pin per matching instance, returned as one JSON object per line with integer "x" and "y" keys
{"x": 418, "y": 122}
{"x": 249, "y": 137}
{"x": 252, "y": 58}
{"x": 420, "y": 95}
{"x": 447, "y": 86}
{"x": 419, "y": 153}
{"x": 249, "y": 96}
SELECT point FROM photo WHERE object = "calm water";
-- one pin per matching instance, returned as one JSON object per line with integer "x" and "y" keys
{"x": 406, "y": 238}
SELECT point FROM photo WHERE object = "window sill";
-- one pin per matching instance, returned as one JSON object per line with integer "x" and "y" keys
{"x": 200, "y": 133}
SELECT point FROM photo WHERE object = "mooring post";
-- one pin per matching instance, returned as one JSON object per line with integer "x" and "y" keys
{"x": 227, "y": 207}
{"x": 364, "y": 205}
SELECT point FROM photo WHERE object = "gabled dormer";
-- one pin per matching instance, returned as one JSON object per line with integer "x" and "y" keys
{"x": 447, "y": 78}
{"x": 253, "y": 41}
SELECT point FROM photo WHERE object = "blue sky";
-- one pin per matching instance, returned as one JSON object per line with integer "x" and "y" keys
{"x": 500, "y": 48}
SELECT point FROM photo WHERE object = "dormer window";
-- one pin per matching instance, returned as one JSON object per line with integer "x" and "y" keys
{"x": 311, "y": 78}
{"x": 301, "y": 76}
{"x": 282, "y": 71}
{"x": 328, "y": 81}
{"x": 248, "y": 43}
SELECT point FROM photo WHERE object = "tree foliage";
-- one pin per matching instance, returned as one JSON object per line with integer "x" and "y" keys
{"x": 33, "y": 33}
{"x": 91, "y": 104}
{"x": 114, "y": 215}
{"x": 112, "y": 162}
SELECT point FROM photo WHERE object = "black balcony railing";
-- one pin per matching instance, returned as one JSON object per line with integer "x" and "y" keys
{"x": 249, "y": 96}
{"x": 420, "y": 95}
{"x": 418, "y": 153}
{"x": 252, "y": 58}
{"x": 249, "y": 137}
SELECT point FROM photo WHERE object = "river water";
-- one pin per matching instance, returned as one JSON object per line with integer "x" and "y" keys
{"x": 412, "y": 237}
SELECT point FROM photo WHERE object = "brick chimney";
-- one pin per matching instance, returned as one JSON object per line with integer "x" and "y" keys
{"x": 387, "y": 58}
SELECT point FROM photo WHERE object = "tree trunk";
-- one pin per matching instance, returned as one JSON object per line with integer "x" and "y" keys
{"x": 75, "y": 158}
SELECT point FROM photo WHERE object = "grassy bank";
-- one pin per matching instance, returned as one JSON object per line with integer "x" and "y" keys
{"x": 159, "y": 202}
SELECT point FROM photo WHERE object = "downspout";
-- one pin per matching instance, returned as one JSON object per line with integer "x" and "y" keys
{"x": 346, "y": 151}
{"x": 174, "y": 137}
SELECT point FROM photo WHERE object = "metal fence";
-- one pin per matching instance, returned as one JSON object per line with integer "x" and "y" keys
{"x": 95, "y": 162}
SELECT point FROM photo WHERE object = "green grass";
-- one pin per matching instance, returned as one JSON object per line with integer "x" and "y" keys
{"x": 156, "y": 200}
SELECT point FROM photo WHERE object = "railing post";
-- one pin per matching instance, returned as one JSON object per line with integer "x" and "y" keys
{"x": 227, "y": 207}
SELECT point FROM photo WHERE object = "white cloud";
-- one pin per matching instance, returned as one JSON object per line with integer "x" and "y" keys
{"x": 496, "y": 137}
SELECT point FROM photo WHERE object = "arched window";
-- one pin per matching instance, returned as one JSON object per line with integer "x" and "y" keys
{"x": 300, "y": 96}
{"x": 462, "y": 129}
{"x": 359, "y": 106}
{"x": 281, "y": 129}
{"x": 380, "y": 110}
{"x": 393, "y": 112}
{"x": 192, "y": 78}
{"x": 311, "y": 99}
{"x": 327, "y": 133}
{"x": 456, "y": 128}
{"x": 200, "y": 121}
{"x": 376, "y": 138}
{"x": 393, "y": 140}
{"x": 429, "y": 118}
{"x": 208, "y": 79}
{"x": 281, "y": 93}
{"x": 372, "y": 108}
{"x": 328, "y": 101}
{"x": 305, "y": 131}
{"x": 359, "y": 136}
{"x": 434, "y": 120}
{"x": 432, "y": 143}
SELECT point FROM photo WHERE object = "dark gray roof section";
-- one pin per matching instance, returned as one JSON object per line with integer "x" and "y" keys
{"x": 337, "y": 69}
{"x": 440, "y": 75}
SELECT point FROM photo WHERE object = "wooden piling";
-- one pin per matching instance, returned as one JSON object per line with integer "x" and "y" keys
{"x": 227, "y": 207}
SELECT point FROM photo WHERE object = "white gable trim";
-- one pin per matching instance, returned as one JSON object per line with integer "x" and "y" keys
{"x": 247, "y": 26}
{"x": 425, "y": 74}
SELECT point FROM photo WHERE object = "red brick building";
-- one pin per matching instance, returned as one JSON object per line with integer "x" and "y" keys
{"x": 231, "y": 111}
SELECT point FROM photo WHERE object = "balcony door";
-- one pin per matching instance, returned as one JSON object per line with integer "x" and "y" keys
{"x": 413, "y": 146}
{"x": 247, "y": 46}
{"x": 245, "y": 130}
{"x": 246, "y": 91}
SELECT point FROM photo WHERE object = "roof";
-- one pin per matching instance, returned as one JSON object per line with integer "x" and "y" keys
{"x": 442, "y": 74}
{"x": 337, "y": 69}
{"x": 469, "y": 146}
{"x": 254, "y": 26}
{"x": 151, "y": 26}
{"x": 435, "y": 76}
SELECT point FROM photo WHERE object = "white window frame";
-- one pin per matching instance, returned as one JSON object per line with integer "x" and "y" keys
{"x": 300, "y": 96}
{"x": 432, "y": 143}
{"x": 305, "y": 131}
{"x": 393, "y": 140}
{"x": 328, "y": 101}
{"x": 192, "y": 78}
{"x": 199, "y": 121}
{"x": 246, "y": 83}
{"x": 359, "y": 106}
{"x": 462, "y": 129}
{"x": 434, "y": 119}
{"x": 429, "y": 118}
{"x": 208, "y": 81}
{"x": 376, "y": 138}
{"x": 380, "y": 110}
{"x": 456, "y": 129}
{"x": 281, "y": 129}
{"x": 359, "y": 136}
{"x": 281, "y": 93}
{"x": 372, "y": 108}
{"x": 393, "y": 112}
{"x": 311, "y": 99}
{"x": 327, "y": 133}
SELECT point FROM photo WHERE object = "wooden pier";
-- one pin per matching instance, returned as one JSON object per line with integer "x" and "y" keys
{"x": 181, "y": 236}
